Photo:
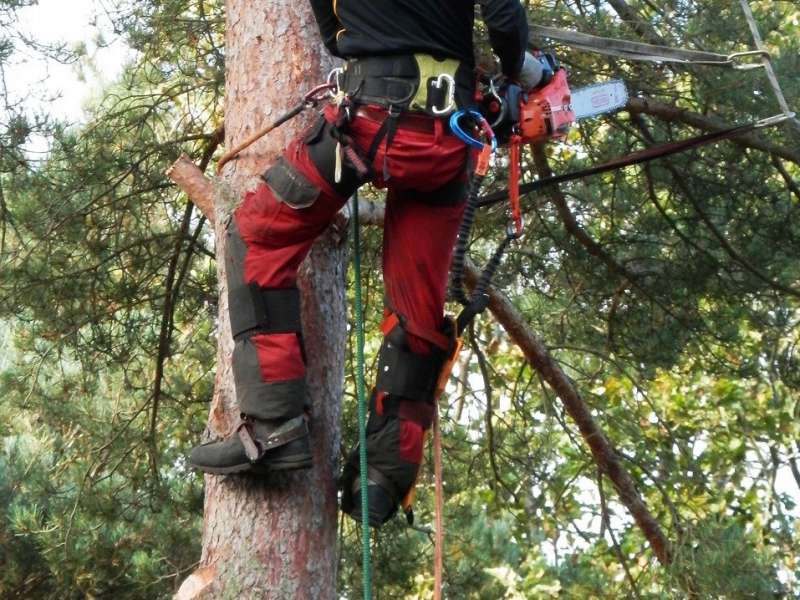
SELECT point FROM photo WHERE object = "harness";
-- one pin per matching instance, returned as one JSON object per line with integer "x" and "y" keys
{"x": 399, "y": 84}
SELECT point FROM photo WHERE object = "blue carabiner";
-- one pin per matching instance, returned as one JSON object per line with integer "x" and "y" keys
{"x": 464, "y": 136}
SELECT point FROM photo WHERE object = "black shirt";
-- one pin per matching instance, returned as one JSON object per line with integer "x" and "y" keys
{"x": 352, "y": 28}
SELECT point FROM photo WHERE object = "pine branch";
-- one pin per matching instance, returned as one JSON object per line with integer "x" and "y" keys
{"x": 672, "y": 113}
{"x": 603, "y": 452}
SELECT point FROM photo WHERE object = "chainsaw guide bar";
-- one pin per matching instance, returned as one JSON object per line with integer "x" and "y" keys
{"x": 599, "y": 99}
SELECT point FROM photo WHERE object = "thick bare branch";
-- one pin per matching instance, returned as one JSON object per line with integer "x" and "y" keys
{"x": 195, "y": 587}
{"x": 603, "y": 452}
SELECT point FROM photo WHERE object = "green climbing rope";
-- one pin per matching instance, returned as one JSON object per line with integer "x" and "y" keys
{"x": 362, "y": 403}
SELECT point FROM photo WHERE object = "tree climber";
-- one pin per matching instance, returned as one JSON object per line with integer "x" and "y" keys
{"x": 408, "y": 65}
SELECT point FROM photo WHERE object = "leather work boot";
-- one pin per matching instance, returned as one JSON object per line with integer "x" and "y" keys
{"x": 389, "y": 476}
{"x": 382, "y": 504}
{"x": 257, "y": 446}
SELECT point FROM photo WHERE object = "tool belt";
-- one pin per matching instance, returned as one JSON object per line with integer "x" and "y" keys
{"x": 417, "y": 82}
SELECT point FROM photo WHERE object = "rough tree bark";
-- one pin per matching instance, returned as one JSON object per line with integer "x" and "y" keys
{"x": 273, "y": 538}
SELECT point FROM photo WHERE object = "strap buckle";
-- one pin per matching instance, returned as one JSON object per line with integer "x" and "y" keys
{"x": 252, "y": 448}
{"x": 441, "y": 80}
{"x": 255, "y": 448}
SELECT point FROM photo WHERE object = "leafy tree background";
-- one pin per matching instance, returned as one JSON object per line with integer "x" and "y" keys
{"x": 669, "y": 294}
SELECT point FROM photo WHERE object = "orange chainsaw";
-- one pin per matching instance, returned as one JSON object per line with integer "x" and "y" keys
{"x": 544, "y": 113}
{"x": 547, "y": 111}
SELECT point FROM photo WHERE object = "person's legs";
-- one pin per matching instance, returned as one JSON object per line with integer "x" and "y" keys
{"x": 419, "y": 235}
{"x": 268, "y": 237}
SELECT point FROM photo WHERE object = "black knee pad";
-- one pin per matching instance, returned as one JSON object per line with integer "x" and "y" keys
{"x": 254, "y": 309}
{"x": 322, "y": 148}
{"x": 289, "y": 185}
{"x": 405, "y": 374}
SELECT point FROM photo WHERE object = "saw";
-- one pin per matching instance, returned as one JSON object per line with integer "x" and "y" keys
{"x": 544, "y": 113}
{"x": 547, "y": 111}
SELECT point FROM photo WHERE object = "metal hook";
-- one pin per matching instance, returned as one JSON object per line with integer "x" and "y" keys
{"x": 732, "y": 58}
{"x": 317, "y": 94}
{"x": 514, "y": 229}
{"x": 500, "y": 100}
{"x": 774, "y": 120}
{"x": 451, "y": 93}
{"x": 333, "y": 79}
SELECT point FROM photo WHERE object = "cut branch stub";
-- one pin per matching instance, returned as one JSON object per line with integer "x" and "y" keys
{"x": 194, "y": 184}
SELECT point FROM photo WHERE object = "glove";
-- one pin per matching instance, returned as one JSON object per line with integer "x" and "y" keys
{"x": 532, "y": 72}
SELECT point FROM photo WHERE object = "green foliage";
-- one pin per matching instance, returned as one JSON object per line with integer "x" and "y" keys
{"x": 722, "y": 561}
{"x": 111, "y": 292}
{"x": 679, "y": 327}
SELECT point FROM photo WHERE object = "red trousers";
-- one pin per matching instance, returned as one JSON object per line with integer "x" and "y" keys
{"x": 420, "y": 228}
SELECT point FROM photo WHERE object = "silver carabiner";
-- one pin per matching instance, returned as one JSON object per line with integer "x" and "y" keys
{"x": 443, "y": 79}
{"x": 502, "y": 113}
{"x": 511, "y": 228}
{"x": 333, "y": 79}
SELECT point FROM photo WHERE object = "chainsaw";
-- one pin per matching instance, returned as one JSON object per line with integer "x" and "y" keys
{"x": 547, "y": 112}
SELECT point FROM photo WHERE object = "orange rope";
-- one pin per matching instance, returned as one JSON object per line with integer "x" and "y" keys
{"x": 438, "y": 537}
{"x": 438, "y": 561}
{"x": 258, "y": 135}
{"x": 310, "y": 99}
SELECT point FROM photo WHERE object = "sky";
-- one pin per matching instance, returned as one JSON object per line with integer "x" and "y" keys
{"x": 58, "y": 89}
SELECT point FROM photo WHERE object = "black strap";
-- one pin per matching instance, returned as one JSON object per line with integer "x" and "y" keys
{"x": 255, "y": 447}
{"x": 387, "y": 130}
{"x": 391, "y": 130}
{"x": 407, "y": 375}
{"x": 381, "y": 80}
{"x": 256, "y": 310}
{"x": 634, "y": 158}
{"x": 403, "y": 65}
{"x": 376, "y": 141}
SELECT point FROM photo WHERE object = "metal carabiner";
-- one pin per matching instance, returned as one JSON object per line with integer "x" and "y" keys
{"x": 500, "y": 100}
{"x": 443, "y": 79}
{"x": 333, "y": 79}
{"x": 493, "y": 90}
{"x": 515, "y": 227}
{"x": 315, "y": 95}
{"x": 455, "y": 127}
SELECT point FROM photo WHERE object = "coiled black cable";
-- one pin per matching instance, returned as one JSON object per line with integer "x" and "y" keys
{"x": 477, "y": 302}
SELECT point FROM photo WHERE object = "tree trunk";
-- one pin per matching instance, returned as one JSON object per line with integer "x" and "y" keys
{"x": 274, "y": 538}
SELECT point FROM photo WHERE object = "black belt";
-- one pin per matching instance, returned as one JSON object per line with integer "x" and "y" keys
{"x": 393, "y": 81}
{"x": 383, "y": 80}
